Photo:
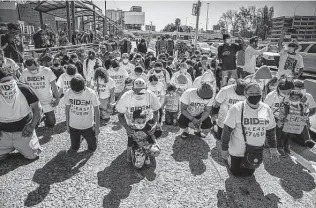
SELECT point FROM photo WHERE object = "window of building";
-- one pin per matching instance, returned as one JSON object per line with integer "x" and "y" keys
{"x": 312, "y": 49}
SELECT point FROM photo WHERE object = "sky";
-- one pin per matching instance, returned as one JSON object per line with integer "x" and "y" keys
{"x": 163, "y": 12}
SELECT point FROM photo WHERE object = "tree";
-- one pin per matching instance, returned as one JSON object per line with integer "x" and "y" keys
{"x": 177, "y": 23}
{"x": 230, "y": 19}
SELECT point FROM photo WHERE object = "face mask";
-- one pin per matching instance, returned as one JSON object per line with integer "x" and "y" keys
{"x": 8, "y": 90}
{"x": 34, "y": 71}
{"x": 91, "y": 57}
{"x": 140, "y": 126}
{"x": 125, "y": 61}
{"x": 157, "y": 70}
{"x": 129, "y": 87}
{"x": 140, "y": 97}
{"x": 56, "y": 65}
{"x": 272, "y": 88}
{"x": 118, "y": 58}
{"x": 183, "y": 70}
{"x": 150, "y": 57}
{"x": 254, "y": 100}
{"x": 228, "y": 41}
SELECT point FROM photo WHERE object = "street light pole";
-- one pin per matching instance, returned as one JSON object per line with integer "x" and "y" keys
{"x": 208, "y": 5}
{"x": 105, "y": 25}
{"x": 197, "y": 23}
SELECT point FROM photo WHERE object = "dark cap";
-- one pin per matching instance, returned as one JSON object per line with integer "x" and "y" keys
{"x": 253, "y": 39}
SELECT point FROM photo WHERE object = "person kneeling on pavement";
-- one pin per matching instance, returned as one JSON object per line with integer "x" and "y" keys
{"x": 196, "y": 106}
{"x": 139, "y": 98}
{"x": 20, "y": 112}
{"x": 82, "y": 114}
{"x": 248, "y": 124}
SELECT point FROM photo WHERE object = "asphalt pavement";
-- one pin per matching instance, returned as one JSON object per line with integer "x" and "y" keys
{"x": 188, "y": 173}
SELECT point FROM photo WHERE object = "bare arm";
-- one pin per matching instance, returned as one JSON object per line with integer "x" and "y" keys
{"x": 36, "y": 110}
{"x": 185, "y": 112}
{"x": 206, "y": 113}
{"x": 55, "y": 89}
{"x": 97, "y": 117}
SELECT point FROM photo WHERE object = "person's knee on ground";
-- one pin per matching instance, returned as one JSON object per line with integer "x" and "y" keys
{"x": 50, "y": 119}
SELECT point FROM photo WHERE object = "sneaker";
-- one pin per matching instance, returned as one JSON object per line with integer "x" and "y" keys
{"x": 72, "y": 151}
{"x": 147, "y": 161}
{"x": 3, "y": 157}
{"x": 184, "y": 135}
{"x": 281, "y": 152}
{"x": 199, "y": 134}
{"x": 310, "y": 143}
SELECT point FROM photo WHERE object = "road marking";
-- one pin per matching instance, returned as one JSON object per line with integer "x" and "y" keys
{"x": 302, "y": 161}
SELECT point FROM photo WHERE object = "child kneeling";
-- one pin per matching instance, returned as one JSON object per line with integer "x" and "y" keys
{"x": 142, "y": 144}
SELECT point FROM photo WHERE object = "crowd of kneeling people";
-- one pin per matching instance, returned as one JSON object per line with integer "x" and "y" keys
{"x": 248, "y": 113}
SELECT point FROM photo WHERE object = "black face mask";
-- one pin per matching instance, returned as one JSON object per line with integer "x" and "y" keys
{"x": 56, "y": 65}
{"x": 254, "y": 100}
{"x": 91, "y": 57}
{"x": 157, "y": 71}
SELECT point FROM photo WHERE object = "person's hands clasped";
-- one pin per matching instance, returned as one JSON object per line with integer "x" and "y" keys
{"x": 28, "y": 130}
{"x": 195, "y": 122}
{"x": 226, "y": 53}
{"x": 55, "y": 102}
{"x": 129, "y": 131}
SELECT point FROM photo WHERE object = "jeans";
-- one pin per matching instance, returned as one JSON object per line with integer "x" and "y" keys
{"x": 49, "y": 119}
{"x": 88, "y": 134}
{"x": 171, "y": 118}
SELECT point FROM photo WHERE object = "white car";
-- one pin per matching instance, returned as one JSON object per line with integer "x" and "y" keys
{"x": 204, "y": 48}
{"x": 308, "y": 53}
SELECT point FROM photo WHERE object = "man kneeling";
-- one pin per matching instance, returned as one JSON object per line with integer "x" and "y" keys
{"x": 196, "y": 105}
{"x": 19, "y": 114}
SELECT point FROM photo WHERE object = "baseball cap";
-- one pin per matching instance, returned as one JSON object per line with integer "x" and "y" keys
{"x": 253, "y": 89}
{"x": 182, "y": 79}
{"x": 139, "y": 86}
{"x": 253, "y": 39}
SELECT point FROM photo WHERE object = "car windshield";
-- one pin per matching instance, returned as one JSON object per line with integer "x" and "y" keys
{"x": 204, "y": 45}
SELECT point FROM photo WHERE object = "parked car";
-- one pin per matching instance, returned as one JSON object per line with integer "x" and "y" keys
{"x": 308, "y": 53}
{"x": 204, "y": 48}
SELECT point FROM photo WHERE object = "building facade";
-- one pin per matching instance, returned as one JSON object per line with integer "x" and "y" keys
{"x": 304, "y": 27}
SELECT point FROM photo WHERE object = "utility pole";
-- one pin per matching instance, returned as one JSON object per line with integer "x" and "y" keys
{"x": 208, "y": 5}
{"x": 197, "y": 23}
{"x": 105, "y": 25}
{"x": 151, "y": 25}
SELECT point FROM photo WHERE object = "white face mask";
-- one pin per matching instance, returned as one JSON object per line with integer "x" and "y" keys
{"x": 34, "y": 71}
{"x": 8, "y": 90}
{"x": 140, "y": 97}
{"x": 183, "y": 70}
{"x": 140, "y": 126}
{"x": 118, "y": 58}
{"x": 228, "y": 40}
{"x": 101, "y": 81}
{"x": 125, "y": 61}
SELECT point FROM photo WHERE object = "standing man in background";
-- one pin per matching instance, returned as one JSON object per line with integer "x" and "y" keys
{"x": 227, "y": 57}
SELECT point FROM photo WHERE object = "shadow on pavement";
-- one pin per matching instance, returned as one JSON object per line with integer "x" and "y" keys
{"x": 293, "y": 178}
{"x": 244, "y": 192}
{"x": 61, "y": 168}
{"x": 216, "y": 154}
{"x": 12, "y": 162}
{"x": 305, "y": 152}
{"x": 192, "y": 150}
{"x": 168, "y": 128}
{"x": 58, "y": 129}
{"x": 119, "y": 178}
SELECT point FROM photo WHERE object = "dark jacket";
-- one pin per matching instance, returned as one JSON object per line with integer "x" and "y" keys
{"x": 142, "y": 48}
{"x": 228, "y": 61}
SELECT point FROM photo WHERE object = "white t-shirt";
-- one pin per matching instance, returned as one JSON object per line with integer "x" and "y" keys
{"x": 119, "y": 78}
{"x": 158, "y": 90}
{"x": 40, "y": 83}
{"x": 128, "y": 104}
{"x": 88, "y": 71}
{"x": 163, "y": 77}
{"x": 251, "y": 55}
{"x": 104, "y": 88}
{"x": 275, "y": 102}
{"x": 181, "y": 87}
{"x": 10, "y": 65}
{"x": 256, "y": 122}
{"x": 81, "y": 113}
{"x": 133, "y": 76}
{"x": 289, "y": 63}
{"x": 63, "y": 82}
{"x": 129, "y": 67}
{"x": 227, "y": 96}
{"x": 176, "y": 74}
{"x": 197, "y": 83}
{"x": 196, "y": 105}
{"x": 310, "y": 101}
